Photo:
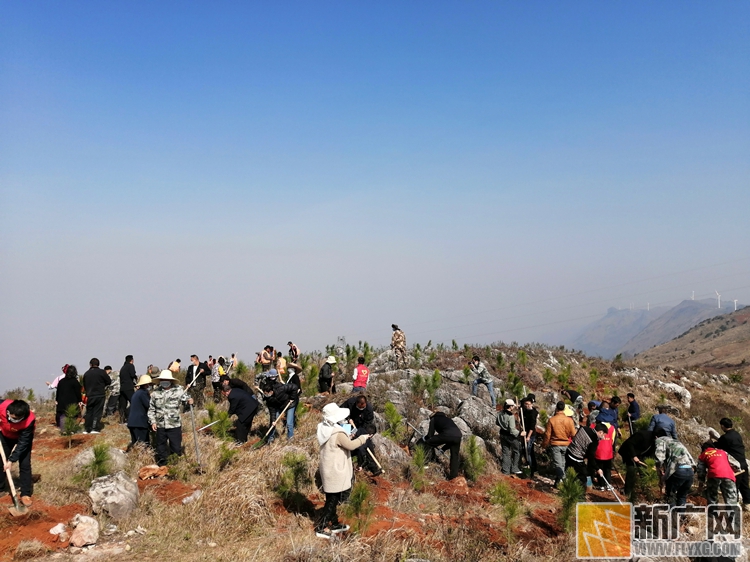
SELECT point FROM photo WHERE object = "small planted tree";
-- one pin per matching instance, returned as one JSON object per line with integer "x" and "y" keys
{"x": 548, "y": 375}
{"x": 503, "y": 495}
{"x": 571, "y": 493}
{"x": 359, "y": 508}
{"x": 523, "y": 358}
{"x": 395, "y": 429}
{"x": 71, "y": 425}
{"x": 293, "y": 479}
{"x": 473, "y": 460}
{"x": 97, "y": 467}
{"x": 417, "y": 468}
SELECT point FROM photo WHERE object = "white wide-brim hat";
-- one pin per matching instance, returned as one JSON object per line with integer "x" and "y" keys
{"x": 331, "y": 359}
{"x": 144, "y": 380}
{"x": 333, "y": 414}
{"x": 166, "y": 376}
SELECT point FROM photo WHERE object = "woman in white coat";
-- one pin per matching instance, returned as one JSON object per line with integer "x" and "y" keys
{"x": 336, "y": 470}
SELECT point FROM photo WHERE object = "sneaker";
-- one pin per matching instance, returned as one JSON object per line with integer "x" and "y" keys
{"x": 518, "y": 472}
{"x": 339, "y": 529}
{"x": 95, "y": 432}
{"x": 323, "y": 534}
{"x": 84, "y": 433}
{"x": 26, "y": 500}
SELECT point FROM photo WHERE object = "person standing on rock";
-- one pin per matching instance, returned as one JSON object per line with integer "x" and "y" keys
{"x": 444, "y": 431}
{"x": 398, "y": 345}
{"x": 128, "y": 379}
{"x": 482, "y": 376}
{"x": 336, "y": 471}
{"x": 732, "y": 443}
{"x": 509, "y": 433}
{"x": 576, "y": 399}
{"x": 361, "y": 375}
{"x": 17, "y": 425}
{"x": 559, "y": 432}
{"x": 164, "y": 416}
{"x": 95, "y": 383}
{"x": 325, "y": 376}
{"x": 68, "y": 392}
{"x": 663, "y": 421}
{"x": 138, "y": 423}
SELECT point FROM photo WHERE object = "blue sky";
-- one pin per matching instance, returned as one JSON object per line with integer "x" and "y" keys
{"x": 182, "y": 178}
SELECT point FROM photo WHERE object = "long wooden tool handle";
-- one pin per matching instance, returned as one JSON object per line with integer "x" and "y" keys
{"x": 373, "y": 458}
{"x": 8, "y": 474}
{"x": 273, "y": 424}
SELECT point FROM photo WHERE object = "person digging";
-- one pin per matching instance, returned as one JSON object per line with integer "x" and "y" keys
{"x": 17, "y": 425}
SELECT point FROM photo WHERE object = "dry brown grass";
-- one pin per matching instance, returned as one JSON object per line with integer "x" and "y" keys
{"x": 26, "y": 550}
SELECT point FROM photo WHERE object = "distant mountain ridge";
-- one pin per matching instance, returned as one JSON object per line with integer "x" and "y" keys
{"x": 633, "y": 331}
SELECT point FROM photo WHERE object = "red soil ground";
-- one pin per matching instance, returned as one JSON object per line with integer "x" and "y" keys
{"x": 166, "y": 491}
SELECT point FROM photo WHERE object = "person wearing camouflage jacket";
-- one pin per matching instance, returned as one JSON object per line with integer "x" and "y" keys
{"x": 398, "y": 345}
{"x": 113, "y": 391}
{"x": 675, "y": 466}
{"x": 164, "y": 416}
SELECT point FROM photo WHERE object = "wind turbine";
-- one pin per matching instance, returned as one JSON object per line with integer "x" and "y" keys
{"x": 735, "y": 305}
{"x": 693, "y": 296}
{"x": 718, "y": 297}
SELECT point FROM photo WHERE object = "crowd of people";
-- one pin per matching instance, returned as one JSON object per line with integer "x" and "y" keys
{"x": 575, "y": 437}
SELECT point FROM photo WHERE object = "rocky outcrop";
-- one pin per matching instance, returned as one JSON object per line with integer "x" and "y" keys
{"x": 389, "y": 453}
{"x": 478, "y": 415}
{"x": 116, "y": 495}
{"x": 117, "y": 459}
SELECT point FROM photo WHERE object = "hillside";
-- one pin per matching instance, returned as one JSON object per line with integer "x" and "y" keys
{"x": 719, "y": 344}
{"x": 672, "y": 323}
{"x": 608, "y": 334}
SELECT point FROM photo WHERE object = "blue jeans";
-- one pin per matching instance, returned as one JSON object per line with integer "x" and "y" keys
{"x": 274, "y": 413}
{"x": 678, "y": 485}
{"x": 489, "y": 386}
{"x": 290, "y": 421}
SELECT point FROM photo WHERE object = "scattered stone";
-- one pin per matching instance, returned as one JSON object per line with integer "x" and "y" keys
{"x": 64, "y": 536}
{"x": 140, "y": 530}
{"x": 116, "y": 495}
{"x": 128, "y": 548}
{"x": 130, "y": 533}
{"x": 152, "y": 471}
{"x": 75, "y": 550}
{"x": 86, "y": 531}
{"x": 58, "y": 529}
{"x": 388, "y": 452}
{"x": 192, "y": 497}
{"x": 212, "y": 544}
{"x": 109, "y": 530}
{"x": 117, "y": 459}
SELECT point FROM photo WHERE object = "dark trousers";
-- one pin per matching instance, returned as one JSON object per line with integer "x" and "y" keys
{"x": 112, "y": 403}
{"x": 124, "y": 404}
{"x": 364, "y": 459}
{"x": 678, "y": 485}
{"x": 217, "y": 391}
{"x": 579, "y": 467}
{"x": 606, "y": 467}
{"x": 454, "y": 444}
{"x": 243, "y": 429}
{"x": 168, "y": 441}
{"x": 531, "y": 457}
{"x": 24, "y": 466}
{"x": 92, "y": 421}
{"x": 742, "y": 483}
{"x": 631, "y": 476}
{"x": 139, "y": 435}
{"x": 324, "y": 385}
{"x": 328, "y": 516}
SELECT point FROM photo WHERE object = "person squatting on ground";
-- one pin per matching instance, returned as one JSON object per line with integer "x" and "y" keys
{"x": 530, "y": 416}
{"x": 95, "y": 383}
{"x": 675, "y": 466}
{"x": 197, "y": 371}
{"x": 633, "y": 451}
{"x": 510, "y": 454}
{"x": 128, "y": 379}
{"x": 581, "y": 453}
{"x": 444, "y": 432}
{"x": 605, "y": 452}
{"x": 361, "y": 375}
{"x": 398, "y": 345}
{"x": 277, "y": 396}
{"x": 68, "y": 392}
{"x": 732, "y": 443}
{"x": 336, "y": 471}
{"x": 325, "y": 376}
{"x": 113, "y": 391}
{"x": 557, "y": 436}
{"x": 714, "y": 469}
{"x": 482, "y": 376}
{"x": 164, "y": 416}
{"x": 17, "y": 425}
{"x": 362, "y": 418}
{"x": 138, "y": 423}
{"x": 244, "y": 405}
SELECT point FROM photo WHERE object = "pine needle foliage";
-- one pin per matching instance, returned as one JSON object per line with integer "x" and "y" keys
{"x": 571, "y": 493}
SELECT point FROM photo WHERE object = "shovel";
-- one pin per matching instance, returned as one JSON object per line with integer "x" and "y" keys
{"x": 612, "y": 489}
{"x": 19, "y": 508}
{"x": 262, "y": 442}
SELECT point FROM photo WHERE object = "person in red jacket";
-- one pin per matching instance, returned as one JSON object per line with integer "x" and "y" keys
{"x": 713, "y": 466}
{"x": 605, "y": 452}
{"x": 361, "y": 374}
{"x": 17, "y": 424}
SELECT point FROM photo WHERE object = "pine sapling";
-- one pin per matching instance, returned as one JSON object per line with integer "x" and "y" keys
{"x": 571, "y": 493}
{"x": 474, "y": 460}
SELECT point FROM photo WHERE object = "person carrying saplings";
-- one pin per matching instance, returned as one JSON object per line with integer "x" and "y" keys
{"x": 17, "y": 425}
{"x": 715, "y": 470}
{"x": 509, "y": 434}
{"x": 243, "y": 404}
{"x": 581, "y": 453}
{"x": 444, "y": 431}
{"x": 164, "y": 416}
{"x": 362, "y": 417}
{"x": 138, "y": 417}
{"x": 336, "y": 472}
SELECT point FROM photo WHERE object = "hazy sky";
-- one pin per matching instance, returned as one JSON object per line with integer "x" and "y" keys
{"x": 210, "y": 177}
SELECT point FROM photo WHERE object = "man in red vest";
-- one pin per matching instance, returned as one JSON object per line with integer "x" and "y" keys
{"x": 17, "y": 423}
{"x": 361, "y": 374}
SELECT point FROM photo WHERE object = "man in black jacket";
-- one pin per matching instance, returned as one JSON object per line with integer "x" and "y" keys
{"x": 633, "y": 450}
{"x": 245, "y": 406}
{"x": 362, "y": 417}
{"x": 95, "y": 383}
{"x": 200, "y": 371}
{"x": 128, "y": 379}
{"x": 732, "y": 443}
{"x": 277, "y": 396}
{"x": 444, "y": 431}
